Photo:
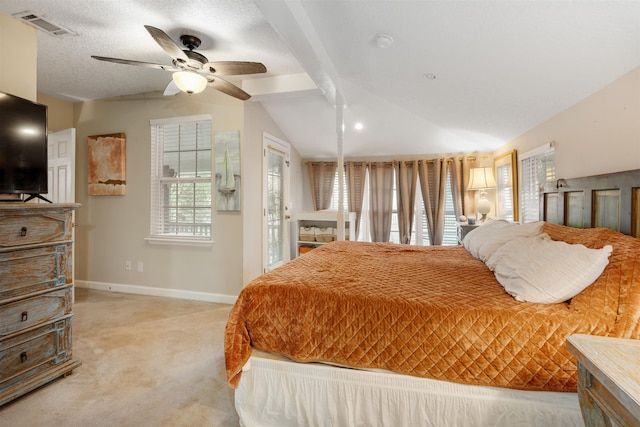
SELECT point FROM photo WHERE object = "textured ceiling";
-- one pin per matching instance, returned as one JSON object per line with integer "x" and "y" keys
{"x": 501, "y": 67}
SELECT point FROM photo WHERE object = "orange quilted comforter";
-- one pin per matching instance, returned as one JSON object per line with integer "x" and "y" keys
{"x": 433, "y": 312}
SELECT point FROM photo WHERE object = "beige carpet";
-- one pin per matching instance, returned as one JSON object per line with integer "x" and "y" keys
{"x": 146, "y": 361}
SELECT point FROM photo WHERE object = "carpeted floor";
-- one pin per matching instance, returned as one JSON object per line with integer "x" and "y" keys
{"x": 146, "y": 361}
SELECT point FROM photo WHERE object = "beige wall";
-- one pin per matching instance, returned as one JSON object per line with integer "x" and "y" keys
{"x": 600, "y": 134}
{"x": 18, "y": 58}
{"x": 59, "y": 113}
{"x": 112, "y": 229}
{"x": 257, "y": 122}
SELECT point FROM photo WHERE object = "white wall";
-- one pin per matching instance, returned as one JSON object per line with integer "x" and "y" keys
{"x": 600, "y": 134}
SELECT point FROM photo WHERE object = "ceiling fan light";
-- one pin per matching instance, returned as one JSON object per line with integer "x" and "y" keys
{"x": 190, "y": 82}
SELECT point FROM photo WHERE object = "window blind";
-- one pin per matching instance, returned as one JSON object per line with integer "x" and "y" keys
{"x": 537, "y": 167}
{"x": 181, "y": 178}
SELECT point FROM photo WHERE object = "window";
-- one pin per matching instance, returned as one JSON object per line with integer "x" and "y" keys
{"x": 420, "y": 230}
{"x": 181, "y": 180}
{"x": 506, "y": 168}
{"x": 537, "y": 168}
{"x": 335, "y": 194}
{"x": 450, "y": 234}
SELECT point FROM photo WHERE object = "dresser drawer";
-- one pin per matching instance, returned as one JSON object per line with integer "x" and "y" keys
{"x": 34, "y": 351}
{"x": 22, "y": 314}
{"x": 22, "y": 228}
{"x": 31, "y": 270}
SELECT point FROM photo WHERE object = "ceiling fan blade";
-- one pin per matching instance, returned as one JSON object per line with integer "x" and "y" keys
{"x": 234, "y": 68}
{"x": 136, "y": 63}
{"x": 171, "y": 89}
{"x": 168, "y": 45}
{"x": 228, "y": 88}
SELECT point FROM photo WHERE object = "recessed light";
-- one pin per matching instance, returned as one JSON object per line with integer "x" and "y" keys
{"x": 384, "y": 40}
{"x": 358, "y": 126}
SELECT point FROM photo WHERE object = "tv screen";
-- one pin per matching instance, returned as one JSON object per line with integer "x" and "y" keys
{"x": 23, "y": 146}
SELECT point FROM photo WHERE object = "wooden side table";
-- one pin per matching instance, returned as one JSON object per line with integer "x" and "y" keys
{"x": 608, "y": 379}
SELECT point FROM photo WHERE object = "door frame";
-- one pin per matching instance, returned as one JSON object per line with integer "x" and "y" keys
{"x": 67, "y": 167}
{"x": 273, "y": 142}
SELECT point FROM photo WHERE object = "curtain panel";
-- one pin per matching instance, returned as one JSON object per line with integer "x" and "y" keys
{"x": 463, "y": 201}
{"x": 356, "y": 173}
{"x": 406, "y": 182}
{"x": 433, "y": 179}
{"x": 380, "y": 200}
{"x": 321, "y": 177}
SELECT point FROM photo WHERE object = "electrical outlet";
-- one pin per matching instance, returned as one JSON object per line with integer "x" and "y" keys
{"x": 140, "y": 267}
{"x": 127, "y": 265}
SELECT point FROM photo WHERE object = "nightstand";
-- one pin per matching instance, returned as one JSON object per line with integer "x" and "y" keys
{"x": 608, "y": 379}
{"x": 464, "y": 229}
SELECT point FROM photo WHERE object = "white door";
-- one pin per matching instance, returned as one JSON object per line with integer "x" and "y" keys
{"x": 61, "y": 149}
{"x": 62, "y": 166}
{"x": 275, "y": 202}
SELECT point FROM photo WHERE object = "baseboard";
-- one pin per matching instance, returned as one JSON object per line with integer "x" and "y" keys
{"x": 158, "y": 292}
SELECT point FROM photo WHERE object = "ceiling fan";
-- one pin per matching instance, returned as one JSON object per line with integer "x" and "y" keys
{"x": 192, "y": 72}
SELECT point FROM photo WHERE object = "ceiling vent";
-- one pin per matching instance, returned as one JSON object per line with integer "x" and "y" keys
{"x": 42, "y": 24}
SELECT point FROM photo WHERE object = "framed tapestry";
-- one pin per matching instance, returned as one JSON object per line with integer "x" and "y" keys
{"x": 106, "y": 164}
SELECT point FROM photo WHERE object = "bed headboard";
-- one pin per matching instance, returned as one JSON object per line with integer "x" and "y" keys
{"x": 610, "y": 200}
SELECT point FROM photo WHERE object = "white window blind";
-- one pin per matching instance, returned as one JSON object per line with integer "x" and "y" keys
{"x": 537, "y": 167}
{"x": 181, "y": 179}
{"x": 450, "y": 234}
{"x": 335, "y": 194}
{"x": 504, "y": 192}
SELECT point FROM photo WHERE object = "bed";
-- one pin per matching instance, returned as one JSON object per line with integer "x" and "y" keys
{"x": 381, "y": 334}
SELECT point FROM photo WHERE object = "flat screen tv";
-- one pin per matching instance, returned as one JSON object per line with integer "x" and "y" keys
{"x": 23, "y": 148}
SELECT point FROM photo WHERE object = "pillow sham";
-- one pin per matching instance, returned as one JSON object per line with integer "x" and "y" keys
{"x": 540, "y": 270}
{"x": 483, "y": 241}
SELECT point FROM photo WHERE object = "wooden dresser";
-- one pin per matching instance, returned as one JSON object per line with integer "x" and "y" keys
{"x": 608, "y": 379}
{"x": 36, "y": 295}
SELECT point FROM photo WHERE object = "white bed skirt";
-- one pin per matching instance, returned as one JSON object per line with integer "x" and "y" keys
{"x": 279, "y": 393}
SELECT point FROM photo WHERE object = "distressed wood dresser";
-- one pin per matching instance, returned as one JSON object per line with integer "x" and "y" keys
{"x": 608, "y": 379}
{"x": 36, "y": 295}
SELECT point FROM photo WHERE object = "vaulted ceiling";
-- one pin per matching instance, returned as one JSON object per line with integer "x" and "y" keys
{"x": 459, "y": 76}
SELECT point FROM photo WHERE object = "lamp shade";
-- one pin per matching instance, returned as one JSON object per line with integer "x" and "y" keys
{"x": 190, "y": 82}
{"x": 481, "y": 178}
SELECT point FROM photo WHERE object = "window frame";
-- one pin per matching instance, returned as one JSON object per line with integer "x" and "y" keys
{"x": 158, "y": 181}
{"x": 530, "y": 192}
{"x": 504, "y": 192}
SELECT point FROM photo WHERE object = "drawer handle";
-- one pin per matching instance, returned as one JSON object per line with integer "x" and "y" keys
{"x": 24, "y": 316}
{"x": 23, "y": 231}
{"x": 23, "y": 357}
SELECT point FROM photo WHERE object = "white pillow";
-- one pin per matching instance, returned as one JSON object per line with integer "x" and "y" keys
{"x": 541, "y": 270}
{"x": 483, "y": 241}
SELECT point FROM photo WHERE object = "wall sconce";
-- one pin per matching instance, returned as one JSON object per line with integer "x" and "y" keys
{"x": 482, "y": 179}
{"x": 190, "y": 82}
